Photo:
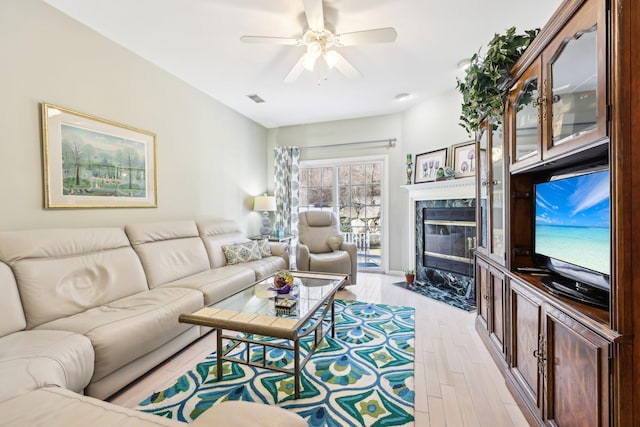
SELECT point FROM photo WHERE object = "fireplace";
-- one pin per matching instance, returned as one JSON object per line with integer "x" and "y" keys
{"x": 444, "y": 253}
{"x": 449, "y": 236}
{"x": 445, "y": 240}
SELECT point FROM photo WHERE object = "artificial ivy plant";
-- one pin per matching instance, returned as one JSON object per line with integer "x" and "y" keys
{"x": 482, "y": 92}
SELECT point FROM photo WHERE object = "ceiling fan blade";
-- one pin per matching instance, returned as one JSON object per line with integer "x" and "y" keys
{"x": 295, "y": 71}
{"x": 380, "y": 35}
{"x": 315, "y": 14}
{"x": 271, "y": 40}
{"x": 346, "y": 68}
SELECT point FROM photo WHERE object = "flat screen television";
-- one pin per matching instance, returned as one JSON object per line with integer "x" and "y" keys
{"x": 572, "y": 235}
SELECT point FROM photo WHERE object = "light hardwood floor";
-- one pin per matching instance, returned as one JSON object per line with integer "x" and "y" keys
{"x": 456, "y": 381}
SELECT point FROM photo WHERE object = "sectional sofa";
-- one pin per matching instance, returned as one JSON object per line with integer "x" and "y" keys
{"x": 83, "y": 312}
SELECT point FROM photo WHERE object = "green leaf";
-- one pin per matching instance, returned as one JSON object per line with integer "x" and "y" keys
{"x": 480, "y": 88}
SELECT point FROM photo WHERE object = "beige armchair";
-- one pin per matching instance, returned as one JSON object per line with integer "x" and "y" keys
{"x": 318, "y": 231}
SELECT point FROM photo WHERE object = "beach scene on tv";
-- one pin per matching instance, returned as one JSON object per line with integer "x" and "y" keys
{"x": 572, "y": 220}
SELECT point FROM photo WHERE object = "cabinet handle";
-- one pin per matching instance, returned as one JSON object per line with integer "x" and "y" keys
{"x": 484, "y": 183}
{"x": 537, "y": 103}
{"x": 471, "y": 243}
{"x": 540, "y": 354}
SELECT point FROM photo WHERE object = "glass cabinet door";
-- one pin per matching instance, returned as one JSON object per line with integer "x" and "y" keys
{"x": 526, "y": 118}
{"x": 483, "y": 189}
{"x": 574, "y": 76}
{"x": 497, "y": 192}
{"x": 574, "y": 83}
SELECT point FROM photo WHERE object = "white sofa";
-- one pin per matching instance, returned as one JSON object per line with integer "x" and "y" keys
{"x": 183, "y": 254}
{"x": 90, "y": 310}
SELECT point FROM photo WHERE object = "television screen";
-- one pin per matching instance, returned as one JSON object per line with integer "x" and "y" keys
{"x": 572, "y": 220}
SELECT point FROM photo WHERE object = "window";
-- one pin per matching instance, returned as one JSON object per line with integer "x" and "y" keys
{"x": 354, "y": 192}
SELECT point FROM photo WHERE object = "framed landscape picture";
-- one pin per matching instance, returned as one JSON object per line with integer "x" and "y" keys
{"x": 96, "y": 163}
{"x": 464, "y": 159}
{"x": 427, "y": 165}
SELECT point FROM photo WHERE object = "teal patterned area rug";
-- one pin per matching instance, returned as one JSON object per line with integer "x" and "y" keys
{"x": 362, "y": 377}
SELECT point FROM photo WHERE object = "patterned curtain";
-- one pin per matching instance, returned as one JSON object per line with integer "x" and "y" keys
{"x": 287, "y": 187}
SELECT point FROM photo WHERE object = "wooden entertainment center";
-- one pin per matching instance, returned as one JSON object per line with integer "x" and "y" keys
{"x": 572, "y": 101}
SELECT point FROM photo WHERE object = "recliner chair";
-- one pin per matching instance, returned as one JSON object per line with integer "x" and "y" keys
{"x": 318, "y": 231}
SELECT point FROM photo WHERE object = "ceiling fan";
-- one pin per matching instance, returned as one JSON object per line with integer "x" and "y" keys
{"x": 321, "y": 41}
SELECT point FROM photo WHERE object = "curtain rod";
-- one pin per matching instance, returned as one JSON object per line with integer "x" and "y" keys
{"x": 389, "y": 142}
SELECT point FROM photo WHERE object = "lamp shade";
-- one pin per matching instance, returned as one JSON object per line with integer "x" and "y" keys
{"x": 264, "y": 203}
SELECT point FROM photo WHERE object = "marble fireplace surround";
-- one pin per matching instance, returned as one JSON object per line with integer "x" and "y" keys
{"x": 455, "y": 192}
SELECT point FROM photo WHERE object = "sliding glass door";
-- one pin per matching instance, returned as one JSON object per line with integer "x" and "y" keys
{"x": 354, "y": 192}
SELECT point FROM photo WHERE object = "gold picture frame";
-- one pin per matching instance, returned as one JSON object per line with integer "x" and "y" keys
{"x": 463, "y": 159}
{"x": 91, "y": 162}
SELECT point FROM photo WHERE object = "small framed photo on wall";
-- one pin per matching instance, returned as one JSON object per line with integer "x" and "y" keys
{"x": 464, "y": 159}
{"x": 427, "y": 165}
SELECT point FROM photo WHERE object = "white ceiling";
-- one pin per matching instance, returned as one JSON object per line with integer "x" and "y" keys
{"x": 198, "y": 41}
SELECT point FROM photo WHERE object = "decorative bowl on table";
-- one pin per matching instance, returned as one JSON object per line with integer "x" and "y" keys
{"x": 283, "y": 281}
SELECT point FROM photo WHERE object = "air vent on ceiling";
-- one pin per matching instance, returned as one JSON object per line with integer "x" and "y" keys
{"x": 255, "y": 98}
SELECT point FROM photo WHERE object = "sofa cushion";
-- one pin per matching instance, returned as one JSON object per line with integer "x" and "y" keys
{"x": 242, "y": 252}
{"x": 335, "y": 241}
{"x": 265, "y": 248}
{"x": 33, "y": 359}
{"x": 218, "y": 283}
{"x": 266, "y": 266}
{"x": 215, "y": 234}
{"x": 62, "y": 272}
{"x": 281, "y": 249}
{"x": 333, "y": 262}
{"x": 11, "y": 314}
{"x": 126, "y": 329}
{"x": 57, "y": 407}
{"x": 234, "y": 413}
{"x": 168, "y": 250}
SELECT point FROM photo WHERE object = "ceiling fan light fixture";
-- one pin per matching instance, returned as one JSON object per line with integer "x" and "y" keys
{"x": 309, "y": 61}
{"x": 314, "y": 49}
{"x": 331, "y": 57}
{"x": 319, "y": 40}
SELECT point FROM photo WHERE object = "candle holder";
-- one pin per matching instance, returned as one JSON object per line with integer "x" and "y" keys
{"x": 409, "y": 173}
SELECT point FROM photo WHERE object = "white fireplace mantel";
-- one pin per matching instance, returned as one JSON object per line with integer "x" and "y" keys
{"x": 461, "y": 188}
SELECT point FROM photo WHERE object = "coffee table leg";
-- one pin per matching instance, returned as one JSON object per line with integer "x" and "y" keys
{"x": 333, "y": 318}
{"x": 296, "y": 368}
{"x": 219, "y": 354}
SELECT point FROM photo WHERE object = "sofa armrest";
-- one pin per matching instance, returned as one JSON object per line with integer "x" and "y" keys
{"x": 241, "y": 414}
{"x": 280, "y": 249}
{"x": 353, "y": 254}
{"x": 302, "y": 257}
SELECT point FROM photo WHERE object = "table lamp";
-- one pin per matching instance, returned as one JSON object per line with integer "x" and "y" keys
{"x": 265, "y": 204}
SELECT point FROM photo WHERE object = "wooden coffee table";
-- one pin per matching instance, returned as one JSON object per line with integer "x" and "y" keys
{"x": 252, "y": 313}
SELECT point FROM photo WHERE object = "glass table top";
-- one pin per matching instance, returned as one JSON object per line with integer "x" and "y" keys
{"x": 309, "y": 291}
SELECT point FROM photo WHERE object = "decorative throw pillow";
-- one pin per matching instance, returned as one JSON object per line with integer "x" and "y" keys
{"x": 244, "y": 252}
{"x": 265, "y": 248}
{"x": 335, "y": 242}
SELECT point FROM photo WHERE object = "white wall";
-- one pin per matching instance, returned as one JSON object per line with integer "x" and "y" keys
{"x": 425, "y": 127}
{"x": 211, "y": 160}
